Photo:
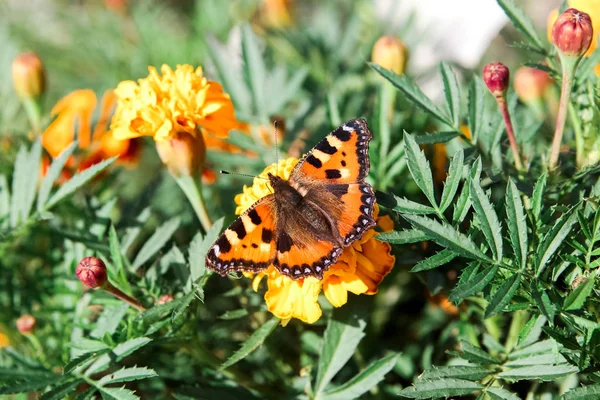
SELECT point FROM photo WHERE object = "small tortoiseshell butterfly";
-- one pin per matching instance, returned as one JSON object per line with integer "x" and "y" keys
{"x": 303, "y": 226}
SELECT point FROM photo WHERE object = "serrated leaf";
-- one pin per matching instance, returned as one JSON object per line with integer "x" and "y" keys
{"x": 53, "y": 174}
{"x": 81, "y": 360}
{"x": 19, "y": 183}
{"x": 441, "y": 258}
{"x": 32, "y": 385}
{"x": 451, "y": 91}
{"x": 538, "y": 372}
{"x": 4, "y": 197}
{"x": 474, "y": 285}
{"x": 127, "y": 375}
{"x": 447, "y": 236}
{"x": 522, "y": 22}
{"x": 404, "y": 205}
{"x": 61, "y": 391}
{"x": 117, "y": 393}
{"x": 488, "y": 219}
{"x": 412, "y": 92}
{"x": 116, "y": 268}
{"x": 543, "y": 302}
{"x": 531, "y": 332}
{"x": 440, "y": 388}
{"x": 517, "y": 225}
{"x": 461, "y": 208}
{"x": 364, "y": 380}
{"x": 87, "y": 394}
{"x": 497, "y": 393}
{"x": 109, "y": 320}
{"x": 254, "y": 69}
{"x": 590, "y": 392}
{"x": 158, "y": 311}
{"x": 235, "y": 314}
{"x": 156, "y": 242}
{"x": 419, "y": 167}
{"x": 452, "y": 181}
{"x": 183, "y": 304}
{"x": 403, "y": 236}
{"x": 31, "y": 179}
{"x": 475, "y": 104}
{"x": 339, "y": 343}
{"x": 576, "y": 299}
{"x": 551, "y": 358}
{"x": 199, "y": 247}
{"x": 475, "y": 354}
{"x": 253, "y": 342}
{"x": 543, "y": 347}
{"x": 554, "y": 238}
{"x": 537, "y": 200}
{"x": 438, "y": 137}
{"x": 117, "y": 354}
{"x": 503, "y": 296}
{"x": 77, "y": 181}
{"x": 469, "y": 372}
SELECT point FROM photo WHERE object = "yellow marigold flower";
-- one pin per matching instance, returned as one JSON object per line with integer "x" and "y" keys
{"x": 179, "y": 101}
{"x": 359, "y": 270}
{"x": 590, "y": 7}
{"x": 4, "y": 340}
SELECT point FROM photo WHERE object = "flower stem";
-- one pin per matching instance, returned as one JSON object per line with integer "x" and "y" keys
{"x": 569, "y": 65}
{"x": 501, "y": 100}
{"x": 120, "y": 295}
{"x": 193, "y": 192}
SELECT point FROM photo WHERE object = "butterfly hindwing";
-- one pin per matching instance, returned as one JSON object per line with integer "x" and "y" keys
{"x": 249, "y": 243}
{"x": 356, "y": 217}
{"x": 341, "y": 157}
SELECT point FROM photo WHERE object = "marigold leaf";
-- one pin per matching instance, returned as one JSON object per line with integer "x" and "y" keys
{"x": 81, "y": 360}
{"x": 254, "y": 69}
{"x": 517, "y": 225}
{"x": 403, "y": 236}
{"x": 497, "y": 393}
{"x": 156, "y": 242}
{"x": 538, "y": 372}
{"x": 440, "y": 258}
{"x": 253, "y": 342}
{"x": 537, "y": 200}
{"x": 475, "y": 354}
{"x": 451, "y": 91}
{"x": 364, "y": 380}
{"x": 61, "y": 391}
{"x": 32, "y": 385}
{"x": 53, "y": 174}
{"x": 115, "y": 268}
{"x": 463, "y": 204}
{"x": 404, "y": 205}
{"x": 576, "y": 299}
{"x": 453, "y": 180}
{"x": 127, "y": 375}
{"x": 474, "y": 285}
{"x": 419, "y": 167}
{"x": 182, "y": 305}
{"x": 554, "y": 239}
{"x": 24, "y": 183}
{"x": 522, "y": 22}
{"x": 438, "y": 137}
{"x": 503, "y": 295}
{"x": 117, "y": 354}
{"x": 590, "y": 392}
{"x": 440, "y": 388}
{"x": 199, "y": 247}
{"x": 4, "y": 198}
{"x": 490, "y": 224}
{"x": 117, "y": 393}
{"x": 109, "y": 320}
{"x": 469, "y": 372}
{"x": 475, "y": 116}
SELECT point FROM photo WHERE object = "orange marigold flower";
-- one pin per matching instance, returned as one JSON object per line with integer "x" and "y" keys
{"x": 359, "y": 270}
{"x": 4, "y": 340}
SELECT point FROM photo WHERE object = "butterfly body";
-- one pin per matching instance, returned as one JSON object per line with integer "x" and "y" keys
{"x": 303, "y": 226}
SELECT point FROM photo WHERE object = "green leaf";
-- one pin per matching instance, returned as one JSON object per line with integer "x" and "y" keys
{"x": 109, "y": 320}
{"x": 4, "y": 198}
{"x": 590, "y": 392}
{"x": 576, "y": 299}
{"x": 538, "y": 372}
{"x": 235, "y": 314}
{"x": 554, "y": 238}
{"x": 339, "y": 343}
{"x": 117, "y": 354}
{"x": 86, "y": 395}
{"x": 24, "y": 183}
{"x": 61, "y": 391}
{"x": 419, "y": 167}
{"x": 77, "y": 181}
{"x": 81, "y": 360}
{"x": 447, "y": 236}
{"x": 522, "y": 22}
{"x": 412, "y": 93}
{"x": 490, "y": 224}
{"x": 517, "y": 225}
{"x": 537, "y": 200}
{"x": 469, "y": 372}
{"x": 53, "y": 174}
{"x": 404, "y": 205}
{"x": 199, "y": 247}
{"x": 440, "y": 258}
{"x": 402, "y": 237}
{"x": 32, "y": 385}
{"x": 117, "y": 393}
{"x": 543, "y": 302}
{"x": 497, "y": 393}
{"x": 156, "y": 242}
{"x": 461, "y": 208}
{"x": 183, "y": 304}
{"x": 475, "y": 354}
{"x": 475, "y": 116}
{"x": 254, "y": 70}
{"x": 473, "y": 285}
{"x": 440, "y": 388}
{"x": 127, "y": 375}
{"x": 253, "y": 342}
{"x": 438, "y": 137}
{"x": 453, "y": 180}
{"x": 116, "y": 268}
{"x": 364, "y": 380}
{"x": 503, "y": 296}
{"x": 452, "y": 92}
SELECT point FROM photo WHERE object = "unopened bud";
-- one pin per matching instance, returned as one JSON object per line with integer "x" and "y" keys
{"x": 390, "y": 53}
{"x": 531, "y": 83}
{"x": 276, "y": 13}
{"x": 29, "y": 76}
{"x": 91, "y": 271}
{"x": 26, "y": 323}
{"x": 183, "y": 154}
{"x": 165, "y": 298}
{"x": 572, "y": 33}
{"x": 496, "y": 76}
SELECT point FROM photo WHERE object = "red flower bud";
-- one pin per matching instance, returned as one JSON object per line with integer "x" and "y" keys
{"x": 29, "y": 76}
{"x": 572, "y": 33}
{"x": 531, "y": 83}
{"x": 91, "y": 271}
{"x": 165, "y": 298}
{"x": 26, "y": 323}
{"x": 496, "y": 76}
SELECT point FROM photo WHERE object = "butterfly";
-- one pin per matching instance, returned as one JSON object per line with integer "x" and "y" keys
{"x": 304, "y": 225}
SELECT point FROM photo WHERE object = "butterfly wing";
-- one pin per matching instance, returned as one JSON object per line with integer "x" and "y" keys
{"x": 249, "y": 243}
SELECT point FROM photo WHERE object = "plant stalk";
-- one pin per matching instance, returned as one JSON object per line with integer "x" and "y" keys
{"x": 193, "y": 192}
{"x": 122, "y": 296}
{"x": 569, "y": 65}
{"x": 502, "y": 104}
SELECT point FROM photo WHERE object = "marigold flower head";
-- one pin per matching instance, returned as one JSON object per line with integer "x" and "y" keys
{"x": 180, "y": 100}
{"x": 4, "y": 340}
{"x": 359, "y": 270}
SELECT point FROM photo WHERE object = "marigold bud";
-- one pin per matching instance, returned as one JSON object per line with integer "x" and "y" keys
{"x": 91, "y": 271}
{"x": 390, "y": 53}
{"x": 165, "y": 298}
{"x": 276, "y": 13}
{"x": 531, "y": 83}
{"x": 29, "y": 76}
{"x": 572, "y": 33}
{"x": 496, "y": 76}
{"x": 26, "y": 323}
{"x": 183, "y": 154}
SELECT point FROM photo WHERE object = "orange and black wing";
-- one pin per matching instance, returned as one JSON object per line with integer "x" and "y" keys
{"x": 248, "y": 244}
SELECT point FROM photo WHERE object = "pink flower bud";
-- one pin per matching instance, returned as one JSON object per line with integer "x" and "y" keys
{"x": 165, "y": 298}
{"x": 496, "y": 76}
{"x": 572, "y": 33}
{"x": 26, "y": 323}
{"x": 531, "y": 83}
{"x": 91, "y": 271}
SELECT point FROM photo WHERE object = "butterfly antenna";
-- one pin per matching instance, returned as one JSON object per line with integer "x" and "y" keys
{"x": 276, "y": 148}
{"x": 240, "y": 174}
